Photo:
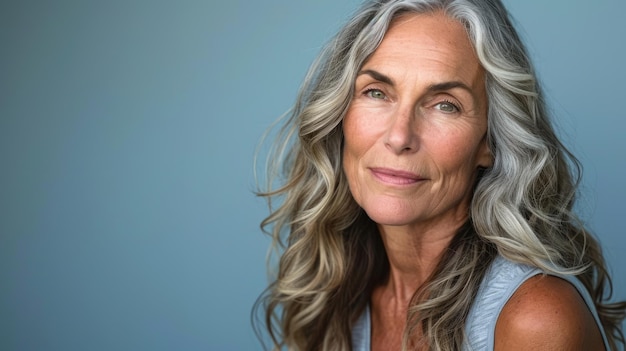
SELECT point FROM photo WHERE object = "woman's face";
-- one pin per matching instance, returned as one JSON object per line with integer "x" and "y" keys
{"x": 415, "y": 129}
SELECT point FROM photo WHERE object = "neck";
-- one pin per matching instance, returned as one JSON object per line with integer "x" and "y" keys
{"x": 413, "y": 256}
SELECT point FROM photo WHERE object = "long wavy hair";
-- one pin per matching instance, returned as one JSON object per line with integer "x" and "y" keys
{"x": 330, "y": 253}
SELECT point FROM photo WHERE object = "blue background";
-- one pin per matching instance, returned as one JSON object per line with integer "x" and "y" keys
{"x": 127, "y": 135}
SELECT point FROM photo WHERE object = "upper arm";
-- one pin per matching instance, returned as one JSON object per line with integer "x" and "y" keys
{"x": 547, "y": 313}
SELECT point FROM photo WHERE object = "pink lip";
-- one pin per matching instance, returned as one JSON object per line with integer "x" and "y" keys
{"x": 395, "y": 177}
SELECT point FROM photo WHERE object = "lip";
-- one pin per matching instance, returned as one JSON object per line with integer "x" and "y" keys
{"x": 395, "y": 176}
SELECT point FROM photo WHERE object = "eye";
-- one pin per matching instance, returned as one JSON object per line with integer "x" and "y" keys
{"x": 375, "y": 94}
{"x": 447, "y": 107}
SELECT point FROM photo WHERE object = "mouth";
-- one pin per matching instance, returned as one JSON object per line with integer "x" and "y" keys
{"x": 395, "y": 177}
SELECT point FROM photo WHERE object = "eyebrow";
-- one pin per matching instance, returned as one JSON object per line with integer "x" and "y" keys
{"x": 378, "y": 76}
{"x": 431, "y": 88}
{"x": 450, "y": 85}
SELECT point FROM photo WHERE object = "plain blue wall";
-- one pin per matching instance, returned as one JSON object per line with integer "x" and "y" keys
{"x": 127, "y": 134}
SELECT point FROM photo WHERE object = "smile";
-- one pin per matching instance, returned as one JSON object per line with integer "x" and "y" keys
{"x": 395, "y": 177}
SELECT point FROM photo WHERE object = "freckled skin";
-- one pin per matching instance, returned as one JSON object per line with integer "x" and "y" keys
{"x": 547, "y": 313}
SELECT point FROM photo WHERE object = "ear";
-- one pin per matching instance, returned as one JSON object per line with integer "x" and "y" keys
{"x": 484, "y": 158}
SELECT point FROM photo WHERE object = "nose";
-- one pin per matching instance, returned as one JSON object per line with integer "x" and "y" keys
{"x": 402, "y": 136}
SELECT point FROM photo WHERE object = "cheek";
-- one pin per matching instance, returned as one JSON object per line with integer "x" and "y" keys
{"x": 360, "y": 132}
{"x": 459, "y": 148}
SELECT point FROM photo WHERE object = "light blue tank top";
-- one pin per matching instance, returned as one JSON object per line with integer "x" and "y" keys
{"x": 500, "y": 282}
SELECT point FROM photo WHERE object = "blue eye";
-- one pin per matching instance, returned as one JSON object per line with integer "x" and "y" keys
{"x": 447, "y": 107}
{"x": 375, "y": 94}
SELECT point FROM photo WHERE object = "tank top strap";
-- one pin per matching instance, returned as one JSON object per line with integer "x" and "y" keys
{"x": 501, "y": 281}
{"x": 361, "y": 331}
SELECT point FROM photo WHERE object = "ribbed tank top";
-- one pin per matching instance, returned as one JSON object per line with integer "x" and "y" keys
{"x": 500, "y": 282}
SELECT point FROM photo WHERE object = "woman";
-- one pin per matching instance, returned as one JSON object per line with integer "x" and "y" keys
{"x": 427, "y": 201}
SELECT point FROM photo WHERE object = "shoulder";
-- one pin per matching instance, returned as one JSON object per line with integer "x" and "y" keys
{"x": 546, "y": 313}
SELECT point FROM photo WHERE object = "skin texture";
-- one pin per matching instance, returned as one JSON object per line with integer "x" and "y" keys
{"x": 415, "y": 137}
{"x": 546, "y": 313}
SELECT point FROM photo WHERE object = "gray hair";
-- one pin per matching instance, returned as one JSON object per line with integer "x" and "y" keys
{"x": 521, "y": 208}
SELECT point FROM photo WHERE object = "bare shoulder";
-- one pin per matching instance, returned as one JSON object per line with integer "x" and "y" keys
{"x": 547, "y": 313}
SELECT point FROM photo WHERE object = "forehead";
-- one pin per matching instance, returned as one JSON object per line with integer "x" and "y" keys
{"x": 434, "y": 40}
